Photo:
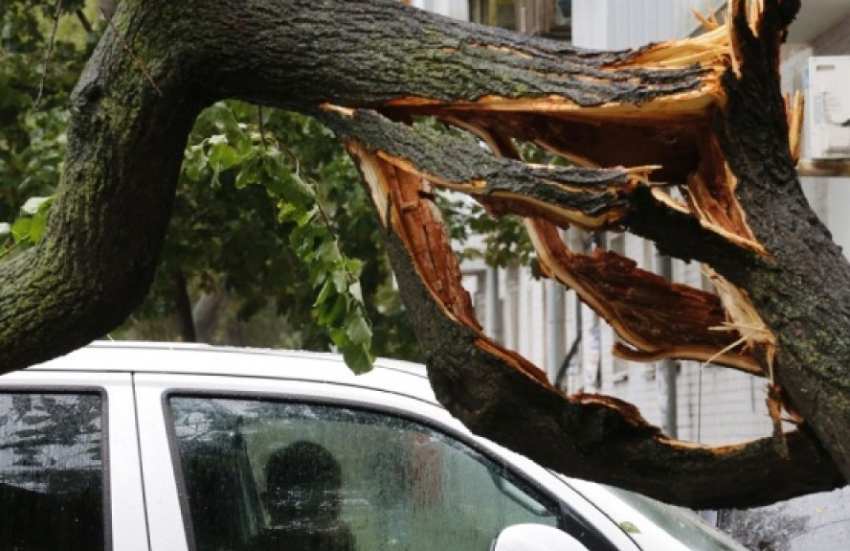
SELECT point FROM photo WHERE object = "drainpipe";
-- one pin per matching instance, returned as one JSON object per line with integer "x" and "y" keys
{"x": 492, "y": 318}
{"x": 510, "y": 312}
{"x": 667, "y": 368}
{"x": 555, "y": 328}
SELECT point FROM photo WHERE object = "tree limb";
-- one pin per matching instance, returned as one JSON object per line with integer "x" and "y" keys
{"x": 502, "y": 396}
{"x": 706, "y": 98}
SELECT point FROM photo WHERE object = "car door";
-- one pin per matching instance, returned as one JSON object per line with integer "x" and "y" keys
{"x": 237, "y": 463}
{"x": 69, "y": 463}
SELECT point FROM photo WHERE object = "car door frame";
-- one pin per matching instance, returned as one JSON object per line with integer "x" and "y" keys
{"x": 124, "y": 504}
{"x": 159, "y": 456}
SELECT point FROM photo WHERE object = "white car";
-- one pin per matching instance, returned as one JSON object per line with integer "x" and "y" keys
{"x": 141, "y": 447}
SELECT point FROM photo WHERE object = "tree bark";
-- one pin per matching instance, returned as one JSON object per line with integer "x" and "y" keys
{"x": 183, "y": 304}
{"x": 703, "y": 114}
{"x": 802, "y": 292}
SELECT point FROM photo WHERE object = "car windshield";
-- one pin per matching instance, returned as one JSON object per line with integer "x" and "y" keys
{"x": 682, "y": 524}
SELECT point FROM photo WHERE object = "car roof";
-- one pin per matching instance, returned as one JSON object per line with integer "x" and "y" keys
{"x": 395, "y": 376}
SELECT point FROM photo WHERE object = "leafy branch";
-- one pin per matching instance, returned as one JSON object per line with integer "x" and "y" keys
{"x": 251, "y": 157}
{"x": 49, "y": 49}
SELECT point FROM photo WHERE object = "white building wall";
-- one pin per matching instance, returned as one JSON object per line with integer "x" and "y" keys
{"x": 834, "y": 192}
{"x": 821, "y": 192}
{"x": 532, "y": 308}
{"x": 837, "y": 191}
{"x": 458, "y": 9}
{"x": 622, "y": 24}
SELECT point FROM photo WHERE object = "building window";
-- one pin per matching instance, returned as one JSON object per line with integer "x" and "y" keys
{"x": 551, "y": 18}
{"x": 495, "y": 13}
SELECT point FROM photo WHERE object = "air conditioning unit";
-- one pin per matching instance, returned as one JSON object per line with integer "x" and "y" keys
{"x": 827, "y": 84}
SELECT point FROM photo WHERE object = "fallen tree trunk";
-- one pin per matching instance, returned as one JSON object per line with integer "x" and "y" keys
{"x": 702, "y": 115}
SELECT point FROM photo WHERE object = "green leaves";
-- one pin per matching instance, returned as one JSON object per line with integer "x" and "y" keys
{"x": 29, "y": 228}
{"x": 285, "y": 181}
{"x": 244, "y": 155}
{"x": 629, "y": 527}
{"x": 221, "y": 155}
{"x": 339, "y": 305}
{"x": 358, "y": 330}
{"x": 36, "y": 205}
{"x": 32, "y": 142}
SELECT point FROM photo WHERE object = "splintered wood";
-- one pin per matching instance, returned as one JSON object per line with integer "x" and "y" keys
{"x": 650, "y": 134}
{"x": 656, "y": 318}
{"x": 409, "y": 212}
{"x": 401, "y": 198}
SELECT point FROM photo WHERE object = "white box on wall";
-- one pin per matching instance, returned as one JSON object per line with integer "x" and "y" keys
{"x": 827, "y": 88}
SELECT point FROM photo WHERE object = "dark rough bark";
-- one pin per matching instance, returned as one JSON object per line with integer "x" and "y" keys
{"x": 682, "y": 318}
{"x": 105, "y": 234}
{"x": 377, "y": 61}
{"x": 803, "y": 294}
{"x": 103, "y": 242}
{"x": 586, "y": 194}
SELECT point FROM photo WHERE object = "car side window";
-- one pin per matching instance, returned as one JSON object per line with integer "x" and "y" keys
{"x": 265, "y": 475}
{"x": 51, "y": 472}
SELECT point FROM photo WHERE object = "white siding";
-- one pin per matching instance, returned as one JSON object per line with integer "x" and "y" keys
{"x": 450, "y": 8}
{"x": 835, "y": 41}
{"x": 622, "y": 24}
{"x": 532, "y": 327}
{"x": 822, "y": 193}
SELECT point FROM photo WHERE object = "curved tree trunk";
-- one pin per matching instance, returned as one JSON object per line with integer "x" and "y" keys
{"x": 704, "y": 115}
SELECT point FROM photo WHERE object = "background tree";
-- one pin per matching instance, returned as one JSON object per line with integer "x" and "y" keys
{"x": 32, "y": 140}
{"x": 702, "y": 115}
{"x": 228, "y": 273}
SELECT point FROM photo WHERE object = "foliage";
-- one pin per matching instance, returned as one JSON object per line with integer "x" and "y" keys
{"x": 32, "y": 140}
{"x": 30, "y": 225}
{"x": 277, "y": 199}
{"x": 254, "y": 219}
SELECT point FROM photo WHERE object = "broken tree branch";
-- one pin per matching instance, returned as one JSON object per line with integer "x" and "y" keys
{"x": 711, "y": 117}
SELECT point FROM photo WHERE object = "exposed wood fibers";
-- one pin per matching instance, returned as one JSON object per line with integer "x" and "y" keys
{"x": 668, "y": 136}
{"x": 795, "y": 106}
{"x": 658, "y": 319}
{"x": 399, "y": 195}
